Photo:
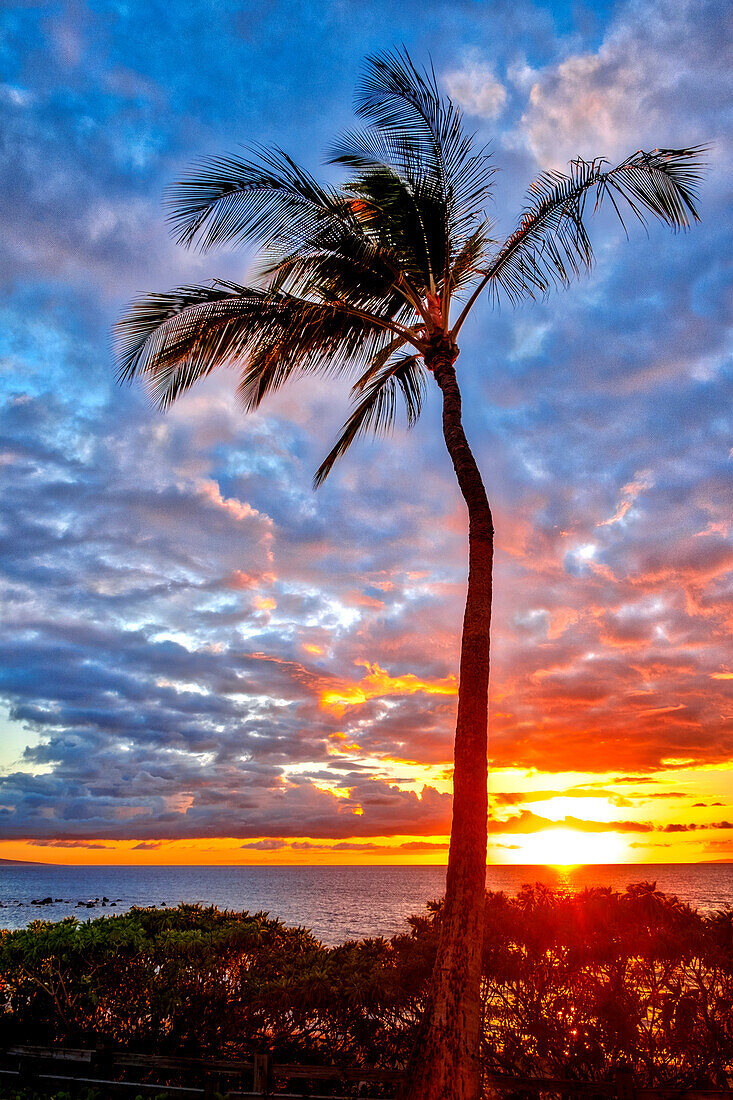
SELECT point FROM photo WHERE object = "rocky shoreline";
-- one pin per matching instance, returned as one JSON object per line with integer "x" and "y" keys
{"x": 89, "y": 903}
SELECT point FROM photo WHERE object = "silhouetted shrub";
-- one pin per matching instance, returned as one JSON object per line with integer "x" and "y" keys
{"x": 574, "y": 986}
{"x": 579, "y": 984}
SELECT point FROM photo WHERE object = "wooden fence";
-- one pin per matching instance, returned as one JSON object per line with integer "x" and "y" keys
{"x": 46, "y": 1068}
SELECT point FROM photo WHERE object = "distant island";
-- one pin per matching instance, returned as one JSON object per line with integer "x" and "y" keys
{"x": 24, "y": 863}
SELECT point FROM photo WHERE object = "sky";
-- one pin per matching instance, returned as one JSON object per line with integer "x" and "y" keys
{"x": 201, "y": 659}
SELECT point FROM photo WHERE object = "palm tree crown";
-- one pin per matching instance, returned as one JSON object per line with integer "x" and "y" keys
{"x": 361, "y": 278}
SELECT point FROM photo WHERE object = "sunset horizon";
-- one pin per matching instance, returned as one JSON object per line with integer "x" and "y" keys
{"x": 205, "y": 661}
{"x": 521, "y": 837}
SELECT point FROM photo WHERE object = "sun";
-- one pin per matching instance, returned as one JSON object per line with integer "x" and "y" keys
{"x": 568, "y": 848}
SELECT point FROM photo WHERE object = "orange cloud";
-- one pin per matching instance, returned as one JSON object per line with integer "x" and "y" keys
{"x": 629, "y": 493}
{"x": 344, "y": 747}
{"x": 265, "y": 603}
{"x": 377, "y": 683}
{"x": 362, "y": 599}
{"x": 240, "y": 579}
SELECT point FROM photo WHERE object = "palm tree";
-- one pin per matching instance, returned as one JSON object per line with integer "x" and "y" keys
{"x": 375, "y": 279}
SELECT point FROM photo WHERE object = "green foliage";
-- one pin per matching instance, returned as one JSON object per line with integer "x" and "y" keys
{"x": 202, "y": 981}
{"x": 574, "y": 986}
{"x": 153, "y": 976}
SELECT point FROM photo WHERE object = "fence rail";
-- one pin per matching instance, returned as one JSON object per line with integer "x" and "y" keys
{"x": 48, "y": 1066}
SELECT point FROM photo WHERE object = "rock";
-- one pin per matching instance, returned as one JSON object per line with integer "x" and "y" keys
{"x": 113, "y": 904}
{"x": 42, "y": 901}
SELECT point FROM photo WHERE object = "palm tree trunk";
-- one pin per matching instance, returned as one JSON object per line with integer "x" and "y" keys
{"x": 445, "y": 1064}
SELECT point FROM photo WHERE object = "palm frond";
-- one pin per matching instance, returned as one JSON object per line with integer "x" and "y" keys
{"x": 366, "y": 280}
{"x": 366, "y": 148}
{"x": 466, "y": 262}
{"x": 376, "y": 409}
{"x": 419, "y": 133}
{"x": 551, "y": 243}
{"x": 173, "y": 340}
{"x": 266, "y": 198}
{"x": 408, "y": 219}
{"x": 377, "y": 364}
{"x": 663, "y": 183}
{"x": 162, "y": 328}
{"x": 304, "y": 336}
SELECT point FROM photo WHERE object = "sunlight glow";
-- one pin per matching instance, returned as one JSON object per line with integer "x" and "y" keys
{"x": 378, "y": 683}
{"x": 568, "y": 848}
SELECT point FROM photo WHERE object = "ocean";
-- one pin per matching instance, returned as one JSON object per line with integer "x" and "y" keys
{"x": 336, "y": 903}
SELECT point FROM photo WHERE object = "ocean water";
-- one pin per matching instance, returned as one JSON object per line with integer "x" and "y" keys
{"x": 336, "y": 903}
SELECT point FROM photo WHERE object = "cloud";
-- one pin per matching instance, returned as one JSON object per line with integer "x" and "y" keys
{"x": 422, "y": 846}
{"x": 518, "y": 798}
{"x": 658, "y": 79}
{"x": 272, "y": 845}
{"x": 83, "y": 844}
{"x": 475, "y": 88}
{"x": 342, "y": 846}
{"x": 377, "y": 683}
{"x": 267, "y": 845}
{"x": 527, "y": 822}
